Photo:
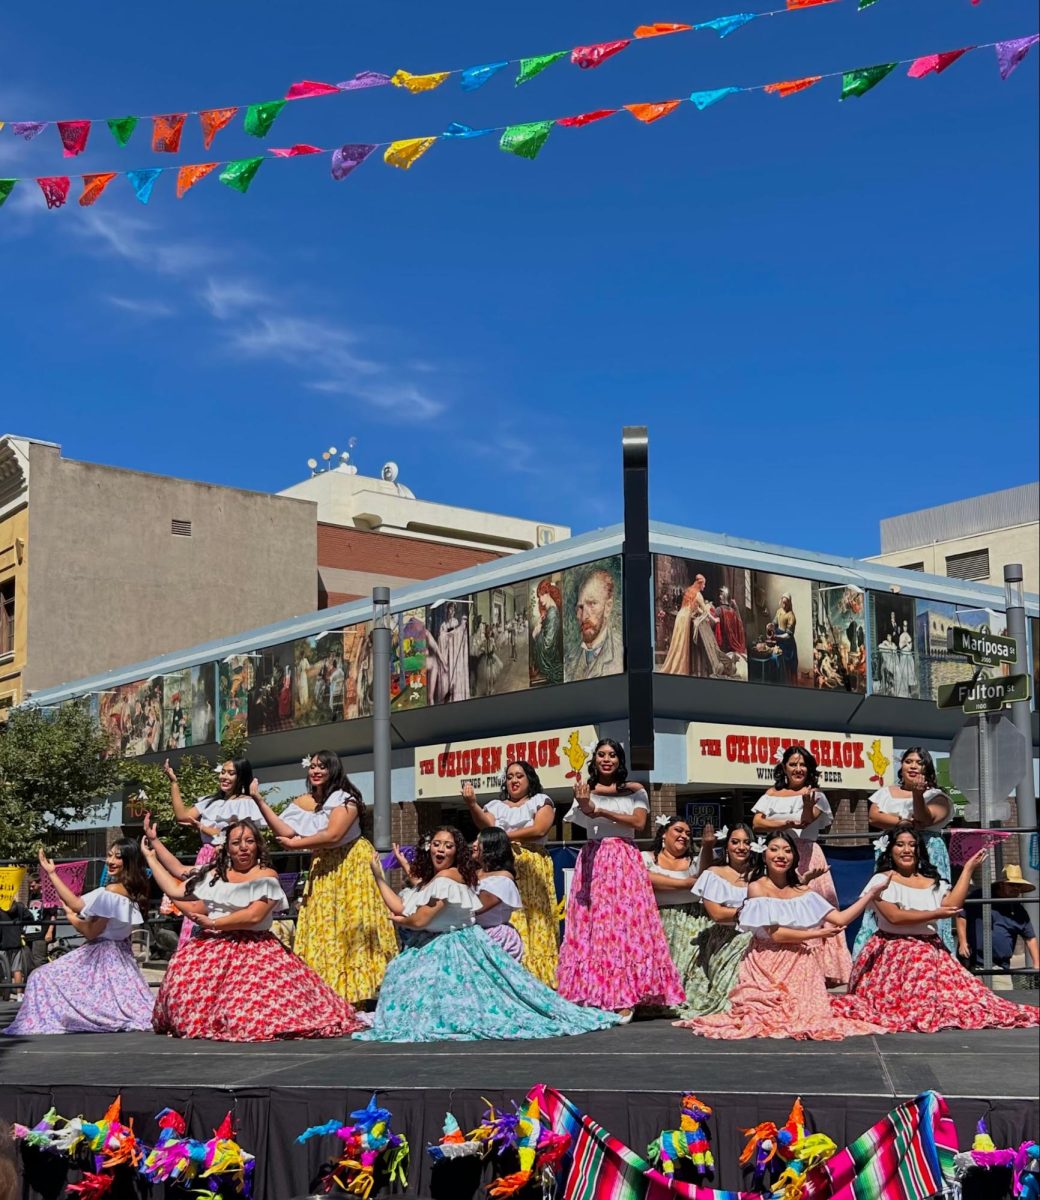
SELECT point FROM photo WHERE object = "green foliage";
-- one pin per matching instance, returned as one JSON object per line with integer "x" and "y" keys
{"x": 52, "y": 774}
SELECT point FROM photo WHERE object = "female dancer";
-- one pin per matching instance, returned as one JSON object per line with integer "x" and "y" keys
{"x": 526, "y": 814}
{"x": 98, "y": 988}
{"x": 905, "y": 979}
{"x": 343, "y": 930}
{"x": 916, "y": 799}
{"x": 797, "y": 805}
{"x": 212, "y": 814}
{"x": 719, "y": 893}
{"x": 672, "y": 871}
{"x": 234, "y": 981}
{"x": 454, "y": 983}
{"x": 497, "y": 891}
{"x": 614, "y": 953}
{"x": 781, "y": 991}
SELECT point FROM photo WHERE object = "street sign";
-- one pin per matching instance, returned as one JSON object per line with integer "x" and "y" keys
{"x": 1006, "y": 763}
{"x": 984, "y": 649}
{"x": 984, "y": 695}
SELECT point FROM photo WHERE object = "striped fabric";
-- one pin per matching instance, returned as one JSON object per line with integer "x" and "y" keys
{"x": 903, "y": 1157}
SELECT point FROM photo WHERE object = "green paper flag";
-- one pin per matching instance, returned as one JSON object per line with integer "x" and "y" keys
{"x": 526, "y": 140}
{"x": 122, "y": 128}
{"x": 865, "y": 4}
{"x": 260, "y": 117}
{"x": 858, "y": 83}
{"x": 239, "y": 175}
{"x": 530, "y": 67}
{"x": 6, "y": 188}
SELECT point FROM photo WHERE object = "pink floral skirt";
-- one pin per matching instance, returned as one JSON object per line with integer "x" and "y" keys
{"x": 915, "y": 985}
{"x": 833, "y": 953}
{"x": 780, "y": 993}
{"x": 614, "y": 953}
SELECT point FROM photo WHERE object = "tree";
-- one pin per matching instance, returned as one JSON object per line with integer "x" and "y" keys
{"x": 52, "y": 773}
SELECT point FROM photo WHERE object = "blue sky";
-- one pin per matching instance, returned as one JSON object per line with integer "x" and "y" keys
{"x": 825, "y": 312}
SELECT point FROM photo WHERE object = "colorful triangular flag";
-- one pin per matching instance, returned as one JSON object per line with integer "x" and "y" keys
{"x": 648, "y": 113}
{"x": 930, "y": 64}
{"x": 418, "y": 83}
{"x": 55, "y": 189}
{"x": 213, "y": 121}
{"x": 457, "y": 130}
{"x": 407, "y": 151}
{"x": 1010, "y": 54}
{"x": 143, "y": 181}
{"x": 241, "y": 173}
{"x": 476, "y": 77}
{"x": 349, "y": 157}
{"x": 592, "y": 56}
{"x": 121, "y": 128}
{"x": 527, "y": 139}
{"x": 659, "y": 28}
{"x": 587, "y": 118}
{"x": 294, "y": 151}
{"x": 166, "y": 133}
{"x": 806, "y": 3}
{"x": 724, "y": 26}
{"x": 93, "y": 186}
{"x": 260, "y": 117}
{"x": 28, "y": 129}
{"x": 307, "y": 88}
{"x": 788, "y": 87}
{"x": 706, "y": 99}
{"x": 6, "y": 188}
{"x": 189, "y": 176}
{"x": 859, "y": 82}
{"x": 73, "y": 136}
{"x": 364, "y": 79}
{"x": 530, "y": 67}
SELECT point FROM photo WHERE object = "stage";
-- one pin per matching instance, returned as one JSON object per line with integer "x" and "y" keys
{"x": 629, "y": 1079}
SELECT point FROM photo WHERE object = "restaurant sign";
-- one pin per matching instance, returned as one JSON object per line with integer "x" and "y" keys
{"x": 746, "y": 755}
{"x": 558, "y": 755}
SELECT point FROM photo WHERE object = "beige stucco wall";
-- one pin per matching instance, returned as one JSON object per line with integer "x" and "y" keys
{"x": 1020, "y": 544}
{"x": 109, "y": 584}
{"x": 14, "y": 562}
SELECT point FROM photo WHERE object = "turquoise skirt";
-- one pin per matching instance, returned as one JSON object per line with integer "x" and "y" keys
{"x": 462, "y": 987}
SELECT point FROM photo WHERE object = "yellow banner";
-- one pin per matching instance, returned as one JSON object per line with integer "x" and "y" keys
{"x": 11, "y": 880}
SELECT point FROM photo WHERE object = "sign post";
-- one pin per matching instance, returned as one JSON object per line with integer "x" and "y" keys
{"x": 382, "y": 835}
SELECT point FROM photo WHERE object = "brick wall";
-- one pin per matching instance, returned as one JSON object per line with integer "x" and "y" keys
{"x": 387, "y": 554}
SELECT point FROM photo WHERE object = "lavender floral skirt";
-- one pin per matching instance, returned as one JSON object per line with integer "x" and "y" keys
{"x": 508, "y": 938}
{"x": 98, "y": 988}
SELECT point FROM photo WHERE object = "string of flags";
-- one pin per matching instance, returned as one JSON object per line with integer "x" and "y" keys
{"x": 525, "y": 140}
{"x": 167, "y": 128}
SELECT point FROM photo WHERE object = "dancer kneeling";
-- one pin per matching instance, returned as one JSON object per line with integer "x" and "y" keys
{"x": 497, "y": 890}
{"x": 234, "y": 981}
{"x": 454, "y": 983}
{"x": 98, "y": 988}
{"x": 781, "y": 991}
{"x": 904, "y": 977}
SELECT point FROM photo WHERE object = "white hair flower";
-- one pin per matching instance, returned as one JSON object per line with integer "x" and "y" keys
{"x": 305, "y": 762}
{"x": 882, "y": 843}
{"x": 662, "y": 820}
{"x": 722, "y": 834}
{"x": 778, "y": 756}
{"x": 759, "y": 846}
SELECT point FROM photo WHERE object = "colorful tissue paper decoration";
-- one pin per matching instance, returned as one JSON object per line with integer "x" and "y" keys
{"x": 766, "y": 1143}
{"x": 689, "y": 1142}
{"x": 369, "y": 1145}
{"x": 1024, "y": 1163}
{"x": 541, "y": 1150}
{"x": 455, "y": 1144}
{"x": 219, "y": 1165}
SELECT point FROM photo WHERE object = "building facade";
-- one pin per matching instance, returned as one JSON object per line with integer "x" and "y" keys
{"x": 969, "y": 539}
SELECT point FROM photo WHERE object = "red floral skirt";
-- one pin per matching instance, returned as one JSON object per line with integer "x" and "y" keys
{"x": 915, "y": 985}
{"x": 246, "y": 987}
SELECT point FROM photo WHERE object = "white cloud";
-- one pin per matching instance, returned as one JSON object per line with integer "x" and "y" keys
{"x": 385, "y": 396}
{"x": 225, "y": 297}
{"x": 141, "y": 307}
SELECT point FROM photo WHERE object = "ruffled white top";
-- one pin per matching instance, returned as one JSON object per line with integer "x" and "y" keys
{"x": 307, "y": 823}
{"x": 508, "y": 817}
{"x": 904, "y": 808}
{"x": 909, "y": 899}
{"x": 804, "y": 912}
{"x": 121, "y": 913}
{"x": 602, "y": 826}
{"x": 713, "y": 887}
{"x": 220, "y": 813}
{"x": 460, "y": 904}
{"x": 504, "y": 887}
{"x": 222, "y": 897}
{"x": 789, "y": 808}
{"x": 673, "y": 895}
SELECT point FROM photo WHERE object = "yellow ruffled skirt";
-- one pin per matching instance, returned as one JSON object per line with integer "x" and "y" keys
{"x": 344, "y": 931}
{"x": 537, "y": 922}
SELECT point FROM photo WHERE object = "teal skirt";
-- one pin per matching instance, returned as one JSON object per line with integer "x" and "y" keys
{"x": 462, "y": 987}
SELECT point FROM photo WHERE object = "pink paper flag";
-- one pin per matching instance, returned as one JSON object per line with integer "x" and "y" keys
{"x": 295, "y": 151}
{"x": 55, "y": 189}
{"x": 310, "y": 87}
{"x": 592, "y": 56}
{"x": 936, "y": 63}
{"x": 72, "y": 874}
{"x": 73, "y": 136}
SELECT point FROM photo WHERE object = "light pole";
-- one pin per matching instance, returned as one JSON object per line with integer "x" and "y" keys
{"x": 381, "y": 716}
{"x": 1025, "y": 793}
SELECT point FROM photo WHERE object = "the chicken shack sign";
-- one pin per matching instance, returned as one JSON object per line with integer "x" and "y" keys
{"x": 558, "y": 755}
{"x": 746, "y": 756}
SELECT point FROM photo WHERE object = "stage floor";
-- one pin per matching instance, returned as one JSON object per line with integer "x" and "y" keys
{"x": 646, "y": 1056}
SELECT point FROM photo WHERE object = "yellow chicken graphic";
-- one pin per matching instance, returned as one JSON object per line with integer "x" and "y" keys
{"x": 576, "y": 754}
{"x": 878, "y": 762}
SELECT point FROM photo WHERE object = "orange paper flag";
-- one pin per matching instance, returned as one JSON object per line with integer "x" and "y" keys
{"x": 788, "y": 87}
{"x": 188, "y": 177}
{"x": 213, "y": 121}
{"x": 653, "y": 112}
{"x": 94, "y": 185}
{"x": 806, "y": 3}
{"x": 660, "y": 28}
{"x": 166, "y": 133}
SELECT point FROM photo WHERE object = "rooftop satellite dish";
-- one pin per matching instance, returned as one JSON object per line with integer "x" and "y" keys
{"x": 390, "y": 472}
{"x": 332, "y": 451}
{"x": 351, "y": 443}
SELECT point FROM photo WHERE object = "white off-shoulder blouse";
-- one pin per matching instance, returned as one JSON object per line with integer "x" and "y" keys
{"x": 789, "y": 808}
{"x": 507, "y": 817}
{"x": 220, "y": 813}
{"x": 222, "y": 897}
{"x": 601, "y": 826}
{"x": 803, "y": 912}
{"x": 710, "y": 886}
{"x": 909, "y": 899}
{"x": 461, "y": 903}
{"x": 509, "y": 902}
{"x": 673, "y": 895}
{"x": 121, "y": 913}
{"x": 307, "y": 823}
